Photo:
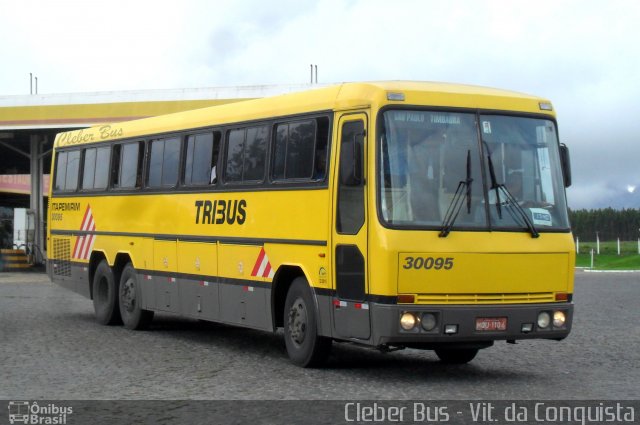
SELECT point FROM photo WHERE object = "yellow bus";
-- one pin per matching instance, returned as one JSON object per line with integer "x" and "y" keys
{"x": 388, "y": 214}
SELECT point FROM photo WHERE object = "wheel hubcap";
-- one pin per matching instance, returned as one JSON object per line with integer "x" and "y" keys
{"x": 298, "y": 321}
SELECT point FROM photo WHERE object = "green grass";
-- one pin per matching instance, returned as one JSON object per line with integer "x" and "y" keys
{"x": 629, "y": 259}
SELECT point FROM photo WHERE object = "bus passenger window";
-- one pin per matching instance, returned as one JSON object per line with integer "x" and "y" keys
{"x": 235, "y": 148}
{"x": 164, "y": 162}
{"x": 73, "y": 167}
{"x": 129, "y": 171}
{"x": 89, "y": 168}
{"x": 127, "y": 166}
{"x": 246, "y": 154}
{"x": 102, "y": 168}
{"x": 300, "y": 151}
{"x": 67, "y": 169}
{"x": 96, "y": 168}
{"x": 201, "y": 159}
{"x": 294, "y": 150}
{"x": 255, "y": 153}
{"x": 61, "y": 170}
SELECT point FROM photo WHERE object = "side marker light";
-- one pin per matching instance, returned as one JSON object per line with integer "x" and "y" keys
{"x": 394, "y": 96}
{"x": 545, "y": 106}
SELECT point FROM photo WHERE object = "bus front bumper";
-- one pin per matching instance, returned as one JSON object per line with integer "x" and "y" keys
{"x": 438, "y": 325}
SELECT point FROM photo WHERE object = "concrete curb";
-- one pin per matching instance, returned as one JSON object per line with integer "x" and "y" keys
{"x": 588, "y": 270}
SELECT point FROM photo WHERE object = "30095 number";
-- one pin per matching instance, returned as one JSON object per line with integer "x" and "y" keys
{"x": 428, "y": 263}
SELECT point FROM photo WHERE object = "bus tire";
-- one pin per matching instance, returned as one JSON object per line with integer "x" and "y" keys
{"x": 304, "y": 346}
{"x": 105, "y": 295}
{"x": 457, "y": 355}
{"x": 130, "y": 301}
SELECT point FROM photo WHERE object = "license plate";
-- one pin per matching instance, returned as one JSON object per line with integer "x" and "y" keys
{"x": 489, "y": 324}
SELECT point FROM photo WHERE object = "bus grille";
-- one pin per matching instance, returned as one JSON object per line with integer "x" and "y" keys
{"x": 533, "y": 297}
{"x": 62, "y": 257}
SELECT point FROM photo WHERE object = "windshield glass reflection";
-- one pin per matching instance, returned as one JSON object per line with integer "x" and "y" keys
{"x": 426, "y": 156}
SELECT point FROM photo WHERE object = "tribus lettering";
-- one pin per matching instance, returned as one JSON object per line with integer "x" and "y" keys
{"x": 221, "y": 211}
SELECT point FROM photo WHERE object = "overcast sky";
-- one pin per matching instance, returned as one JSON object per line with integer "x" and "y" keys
{"x": 583, "y": 55}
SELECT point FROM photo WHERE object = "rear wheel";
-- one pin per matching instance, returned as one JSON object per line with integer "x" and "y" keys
{"x": 105, "y": 295}
{"x": 304, "y": 346}
{"x": 130, "y": 301}
{"x": 456, "y": 356}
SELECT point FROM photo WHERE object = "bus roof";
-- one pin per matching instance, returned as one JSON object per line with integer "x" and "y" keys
{"x": 343, "y": 96}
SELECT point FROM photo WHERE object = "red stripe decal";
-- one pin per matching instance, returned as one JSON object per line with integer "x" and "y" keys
{"x": 84, "y": 219}
{"x": 83, "y": 245}
{"x": 267, "y": 270}
{"x": 75, "y": 247}
{"x": 256, "y": 267}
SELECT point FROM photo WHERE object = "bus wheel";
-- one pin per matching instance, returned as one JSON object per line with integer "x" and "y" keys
{"x": 304, "y": 346}
{"x": 456, "y": 356}
{"x": 105, "y": 295}
{"x": 133, "y": 316}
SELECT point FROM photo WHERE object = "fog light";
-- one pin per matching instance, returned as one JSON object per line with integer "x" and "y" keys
{"x": 527, "y": 327}
{"x": 544, "y": 320}
{"x": 428, "y": 321}
{"x": 407, "y": 321}
{"x": 558, "y": 319}
{"x": 451, "y": 329}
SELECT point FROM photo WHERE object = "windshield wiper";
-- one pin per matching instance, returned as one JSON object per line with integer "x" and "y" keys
{"x": 463, "y": 190}
{"x": 494, "y": 182}
{"x": 510, "y": 202}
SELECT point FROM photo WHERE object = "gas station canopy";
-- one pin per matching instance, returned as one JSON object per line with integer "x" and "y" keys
{"x": 29, "y": 123}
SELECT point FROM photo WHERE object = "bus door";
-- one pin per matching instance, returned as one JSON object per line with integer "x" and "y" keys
{"x": 350, "y": 307}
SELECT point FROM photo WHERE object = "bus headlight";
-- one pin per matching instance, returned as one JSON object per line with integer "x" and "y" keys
{"x": 408, "y": 321}
{"x": 544, "y": 319}
{"x": 559, "y": 319}
{"x": 428, "y": 322}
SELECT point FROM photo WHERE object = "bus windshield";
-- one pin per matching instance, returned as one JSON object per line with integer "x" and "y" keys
{"x": 502, "y": 172}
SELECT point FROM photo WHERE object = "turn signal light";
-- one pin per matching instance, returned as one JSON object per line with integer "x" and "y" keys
{"x": 406, "y": 299}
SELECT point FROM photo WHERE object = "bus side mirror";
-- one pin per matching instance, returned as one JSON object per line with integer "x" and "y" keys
{"x": 351, "y": 162}
{"x": 565, "y": 162}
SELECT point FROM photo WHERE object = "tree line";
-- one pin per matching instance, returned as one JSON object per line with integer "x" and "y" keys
{"x": 609, "y": 224}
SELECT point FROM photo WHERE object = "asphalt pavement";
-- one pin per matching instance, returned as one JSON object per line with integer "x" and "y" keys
{"x": 51, "y": 348}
